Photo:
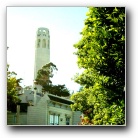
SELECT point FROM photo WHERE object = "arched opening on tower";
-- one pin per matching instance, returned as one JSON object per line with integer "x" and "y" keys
{"x": 38, "y": 42}
{"x": 44, "y": 31}
{"x": 44, "y": 43}
{"x": 48, "y": 43}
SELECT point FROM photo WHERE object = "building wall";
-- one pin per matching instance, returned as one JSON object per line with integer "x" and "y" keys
{"x": 28, "y": 96}
{"x": 36, "y": 115}
{"x": 40, "y": 114}
{"x": 62, "y": 112}
{"x": 12, "y": 119}
{"x": 76, "y": 117}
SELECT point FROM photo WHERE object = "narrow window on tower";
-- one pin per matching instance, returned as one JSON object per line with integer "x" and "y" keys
{"x": 38, "y": 43}
{"x": 44, "y": 43}
{"x": 48, "y": 43}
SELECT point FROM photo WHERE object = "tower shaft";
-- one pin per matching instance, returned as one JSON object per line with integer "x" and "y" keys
{"x": 42, "y": 49}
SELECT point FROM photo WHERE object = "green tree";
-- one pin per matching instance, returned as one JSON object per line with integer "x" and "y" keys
{"x": 59, "y": 90}
{"x": 101, "y": 53}
{"x": 43, "y": 79}
{"x": 45, "y": 73}
{"x": 12, "y": 90}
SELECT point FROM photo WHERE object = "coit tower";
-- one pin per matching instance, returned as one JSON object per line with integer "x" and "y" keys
{"x": 42, "y": 49}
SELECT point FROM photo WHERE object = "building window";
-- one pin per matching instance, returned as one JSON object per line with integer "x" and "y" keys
{"x": 51, "y": 119}
{"x": 67, "y": 121}
{"x": 54, "y": 119}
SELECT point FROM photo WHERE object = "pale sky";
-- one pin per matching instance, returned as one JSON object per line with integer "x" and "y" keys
{"x": 64, "y": 24}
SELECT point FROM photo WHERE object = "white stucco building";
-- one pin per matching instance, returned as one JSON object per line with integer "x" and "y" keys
{"x": 52, "y": 110}
{"x": 48, "y": 110}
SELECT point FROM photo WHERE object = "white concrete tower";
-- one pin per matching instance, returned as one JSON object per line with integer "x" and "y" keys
{"x": 42, "y": 49}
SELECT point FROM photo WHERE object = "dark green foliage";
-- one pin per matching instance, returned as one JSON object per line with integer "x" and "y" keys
{"x": 44, "y": 74}
{"x": 59, "y": 90}
{"x": 43, "y": 79}
{"x": 12, "y": 90}
{"x": 101, "y": 53}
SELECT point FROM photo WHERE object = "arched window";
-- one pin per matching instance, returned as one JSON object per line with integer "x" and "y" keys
{"x": 48, "y": 43}
{"x": 38, "y": 43}
{"x": 44, "y": 31}
{"x": 44, "y": 43}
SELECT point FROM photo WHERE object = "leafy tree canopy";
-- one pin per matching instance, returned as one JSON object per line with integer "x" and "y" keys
{"x": 13, "y": 84}
{"x": 43, "y": 79}
{"x": 59, "y": 90}
{"x": 101, "y": 53}
{"x": 45, "y": 73}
